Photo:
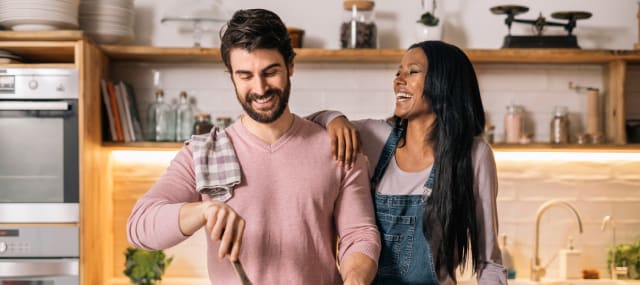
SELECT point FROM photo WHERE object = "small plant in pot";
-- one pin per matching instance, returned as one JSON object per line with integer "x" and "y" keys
{"x": 145, "y": 267}
{"x": 429, "y": 26}
{"x": 429, "y": 18}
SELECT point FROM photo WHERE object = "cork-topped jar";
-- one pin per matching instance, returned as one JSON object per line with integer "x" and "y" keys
{"x": 358, "y": 29}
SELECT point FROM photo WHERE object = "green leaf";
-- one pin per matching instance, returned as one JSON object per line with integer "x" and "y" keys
{"x": 428, "y": 19}
{"x": 145, "y": 267}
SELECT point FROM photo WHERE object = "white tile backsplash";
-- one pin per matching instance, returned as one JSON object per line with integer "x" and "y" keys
{"x": 596, "y": 188}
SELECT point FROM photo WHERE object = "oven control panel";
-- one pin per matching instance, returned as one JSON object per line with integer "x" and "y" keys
{"x": 36, "y": 241}
{"x": 14, "y": 247}
{"x": 38, "y": 83}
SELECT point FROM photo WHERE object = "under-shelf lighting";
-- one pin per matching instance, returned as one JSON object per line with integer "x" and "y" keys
{"x": 165, "y": 156}
{"x": 146, "y": 156}
{"x": 565, "y": 156}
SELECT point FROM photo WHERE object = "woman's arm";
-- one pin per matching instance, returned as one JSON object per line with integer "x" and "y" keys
{"x": 345, "y": 141}
{"x": 491, "y": 270}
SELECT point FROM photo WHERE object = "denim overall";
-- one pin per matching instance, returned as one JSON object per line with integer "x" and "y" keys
{"x": 406, "y": 254}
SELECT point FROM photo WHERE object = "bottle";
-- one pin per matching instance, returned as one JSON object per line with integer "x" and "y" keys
{"x": 507, "y": 259}
{"x": 570, "y": 262}
{"x": 559, "y": 130}
{"x": 203, "y": 124}
{"x": 358, "y": 30}
{"x": 513, "y": 124}
{"x": 160, "y": 120}
{"x": 184, "y": 118}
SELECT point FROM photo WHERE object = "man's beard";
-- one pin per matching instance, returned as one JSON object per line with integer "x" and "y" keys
{"x": 269, "y": 117}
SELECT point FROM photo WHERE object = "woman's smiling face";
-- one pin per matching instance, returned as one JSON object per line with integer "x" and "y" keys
{"x": 408, "y": 85}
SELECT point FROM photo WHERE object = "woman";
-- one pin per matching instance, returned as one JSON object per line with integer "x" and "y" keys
{"x": 434, "y": 179}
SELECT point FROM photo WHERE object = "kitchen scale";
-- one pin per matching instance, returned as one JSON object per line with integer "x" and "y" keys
{"x": 539, "y": 40}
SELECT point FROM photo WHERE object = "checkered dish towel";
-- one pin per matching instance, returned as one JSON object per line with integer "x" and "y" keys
{"x": 216, "y": 165}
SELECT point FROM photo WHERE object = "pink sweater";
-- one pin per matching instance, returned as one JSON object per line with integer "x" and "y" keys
{"x": 296, "y": 202}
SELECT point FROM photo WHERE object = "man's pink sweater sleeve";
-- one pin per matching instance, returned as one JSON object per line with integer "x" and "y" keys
{"x": 354, "y": 214}
{"x": 154, "y": 220}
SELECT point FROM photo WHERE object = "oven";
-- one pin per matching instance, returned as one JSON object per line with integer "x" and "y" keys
{"x": 39, "y": 181}
{"x": 39, "y": 145}
{"x": 39, "y": 255}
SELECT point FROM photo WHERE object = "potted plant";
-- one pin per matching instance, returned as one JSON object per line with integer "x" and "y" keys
{"x": 145, "y": 267}
{"x": 429, "y": 25}
{"x": 627, "y": 255}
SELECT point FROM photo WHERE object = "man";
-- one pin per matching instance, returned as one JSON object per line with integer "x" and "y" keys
{"x": 293, "y": 200}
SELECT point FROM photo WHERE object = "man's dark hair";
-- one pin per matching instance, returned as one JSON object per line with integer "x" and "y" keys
{"x": 256, "y": 29}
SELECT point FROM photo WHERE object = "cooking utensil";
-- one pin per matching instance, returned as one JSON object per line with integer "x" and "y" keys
{"x": 237, "y": 266}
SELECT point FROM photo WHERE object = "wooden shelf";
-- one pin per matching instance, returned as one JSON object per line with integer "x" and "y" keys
{"x": 162, "y": 54}
{"x": 212, "y": 55}
{"x": 143, "y": 145}
{"x": 37, "y": 65}
{"x": 500, "y": 147}
{"x": 42, "y": 51}
{"x": 165, "y": 281}
{"x": 547, "y": 147}
{"x": 58, "y": 35}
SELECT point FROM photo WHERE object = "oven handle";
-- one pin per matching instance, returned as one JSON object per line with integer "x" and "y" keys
{"x": 40, "y": 268}
{"x": 33, "y": 106}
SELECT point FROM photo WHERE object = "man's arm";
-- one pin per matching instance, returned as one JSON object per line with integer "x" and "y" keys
{"x": 220, "y": 220}
{"x": 358, "y": 268}
{"x": 359, "y": 237}
{"x": 171, "y": 211}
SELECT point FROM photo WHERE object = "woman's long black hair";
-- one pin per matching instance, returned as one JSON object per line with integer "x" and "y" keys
{"x": 451, "y": 88}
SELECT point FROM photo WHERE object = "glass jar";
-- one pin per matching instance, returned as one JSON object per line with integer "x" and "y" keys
{"x": 203, "y": 124}
{"x": 223, "y": 122}
{"x": 513, "y": 124}
{"x": 559, "y": 129}
{"x": 358, "y": 30}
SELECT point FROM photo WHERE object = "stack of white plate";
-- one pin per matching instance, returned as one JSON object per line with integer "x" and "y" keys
{"x": 107, "y": 21}
{"x": 39, "y": 15}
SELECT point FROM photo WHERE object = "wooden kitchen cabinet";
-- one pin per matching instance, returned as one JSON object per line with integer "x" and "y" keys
{"x": 104, "y": 205}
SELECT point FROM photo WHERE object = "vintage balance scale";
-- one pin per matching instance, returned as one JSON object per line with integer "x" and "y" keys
{"x": 539, "y": 40}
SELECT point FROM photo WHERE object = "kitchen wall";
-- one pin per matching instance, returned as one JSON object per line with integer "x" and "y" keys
{"x": 597, "y": 185}
{"x": 467, "y": 23}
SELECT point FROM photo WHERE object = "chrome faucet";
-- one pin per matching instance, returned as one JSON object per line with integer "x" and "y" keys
{"x": 537, "y": 270}
{"x": 605, "y": 221}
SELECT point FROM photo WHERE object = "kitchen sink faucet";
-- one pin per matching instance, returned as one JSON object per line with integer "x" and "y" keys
{"x": 537, "y": 270}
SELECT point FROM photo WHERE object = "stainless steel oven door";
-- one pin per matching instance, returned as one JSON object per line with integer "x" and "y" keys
{"x": 39, "y": 161}
{"x": 39, "y": 271}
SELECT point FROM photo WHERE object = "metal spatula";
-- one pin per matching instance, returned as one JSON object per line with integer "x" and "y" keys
{"x": 237, "y": 266}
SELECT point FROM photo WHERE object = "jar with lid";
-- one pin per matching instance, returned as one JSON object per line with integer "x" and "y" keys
{"x": 559, "y": 129}
{"x": 358, "y": 30}
{"x": 203, "y": 124}
{"x": 513, "y": 124}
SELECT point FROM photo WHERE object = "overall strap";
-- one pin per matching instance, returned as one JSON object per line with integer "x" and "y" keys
{"x": 387, "y": 153}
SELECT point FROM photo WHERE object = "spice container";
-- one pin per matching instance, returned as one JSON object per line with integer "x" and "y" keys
{"x": 513, "y": 124}
{"x": 489, "y": 131}
{"x": 559, "y": 130}
{"x": 203, "y": 124}
{"x": 358, "y": 30}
